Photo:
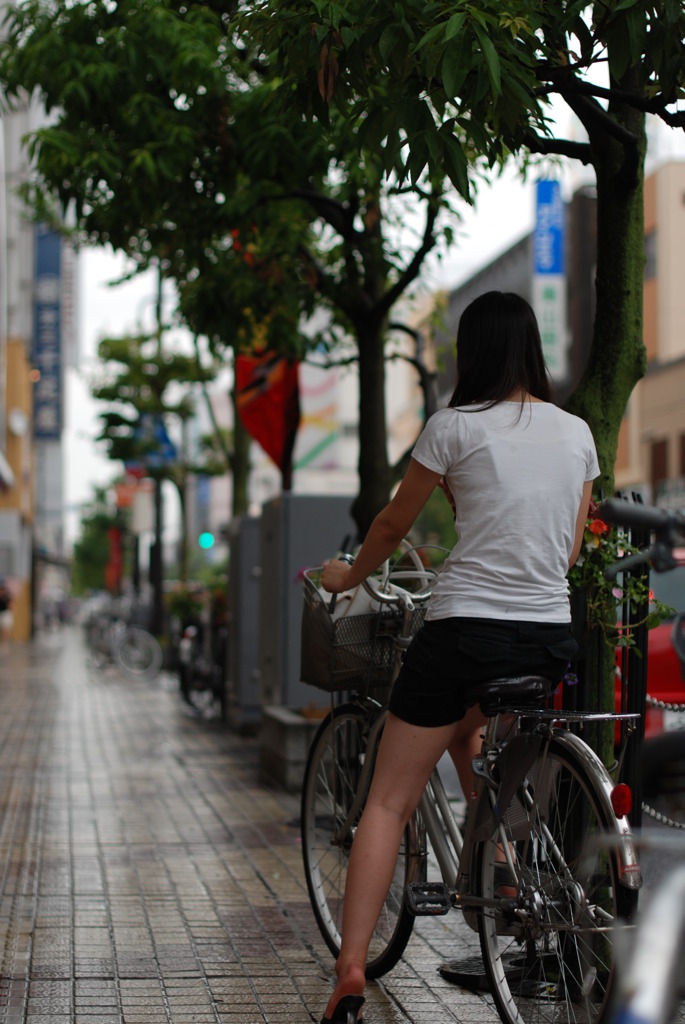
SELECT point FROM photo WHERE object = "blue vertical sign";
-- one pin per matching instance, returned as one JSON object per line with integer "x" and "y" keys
{"x": 550, "y": 223}
{"x": 549, "y": 276}
{"x": 47, "y": 336}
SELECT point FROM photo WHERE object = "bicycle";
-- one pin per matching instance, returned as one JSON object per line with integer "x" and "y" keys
{"x": 649, "y": 982}
{"x": 543, "y": 910}
{"x": 202, "y": 667}
{"x": 111, "y": 640}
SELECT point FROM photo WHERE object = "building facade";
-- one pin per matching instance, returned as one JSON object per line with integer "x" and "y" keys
{"x": 37, "y": 340}
{"x": 651, "y": 456}
{"x": 651, "y": 453}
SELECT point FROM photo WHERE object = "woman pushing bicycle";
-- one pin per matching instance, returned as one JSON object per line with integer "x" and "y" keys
{"x": 519, "y": 471}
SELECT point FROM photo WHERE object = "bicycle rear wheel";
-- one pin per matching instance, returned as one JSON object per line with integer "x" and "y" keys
{"x": 548, "y": 950}
{"x": 138, "y": 653}
{"x": 330, "y": 784}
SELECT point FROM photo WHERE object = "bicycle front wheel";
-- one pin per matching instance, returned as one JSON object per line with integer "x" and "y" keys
{"x": 546, "y": 932}
{"x": 331, "y": 780}
{"x": 138, "y": 653}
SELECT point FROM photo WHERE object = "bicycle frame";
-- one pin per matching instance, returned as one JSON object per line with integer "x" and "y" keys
{"x": 521, "y": 870}
{"x": 451, "y": 849}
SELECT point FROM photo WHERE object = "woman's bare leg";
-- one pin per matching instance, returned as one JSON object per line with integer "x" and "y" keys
{"x": 407, "y": 754}
{"x": 464, "y": 746}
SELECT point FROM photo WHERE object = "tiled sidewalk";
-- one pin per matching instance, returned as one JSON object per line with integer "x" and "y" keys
{"x": 148, "y": 876}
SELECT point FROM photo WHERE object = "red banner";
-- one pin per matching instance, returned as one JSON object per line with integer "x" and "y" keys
{"x": 114, "y": 567}
{"x": 268, "y": 400}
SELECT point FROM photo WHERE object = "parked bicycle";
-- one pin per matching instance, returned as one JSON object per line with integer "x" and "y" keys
{"x": 544, "y": 909}
{"x": 113, "y": 640}
{"x": 649, "y": 986}
{"x": 202, "y": 657}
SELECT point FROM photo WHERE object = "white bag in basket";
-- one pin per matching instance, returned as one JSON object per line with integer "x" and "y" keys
{"x": 335, "y": 647}
{"x": 359, "y": 601}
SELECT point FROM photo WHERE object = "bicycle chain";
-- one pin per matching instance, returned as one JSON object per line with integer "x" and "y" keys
{"x": 664, "y": 705}
{"x": 663, "y": 819}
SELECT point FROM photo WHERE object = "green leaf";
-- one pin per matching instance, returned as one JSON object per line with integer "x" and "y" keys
{"x": 456, "y": 164}
{"x": 390, "y": 37}
{"x": 491, "y": 59}
{"x": 349, "y": 36}
{"x": 143, "y": 161}
{"x": 454, "y": 25}
{"x": 418, "y": 158}
{"x": 456, "y": 64}
{"x": 432, "y": 35}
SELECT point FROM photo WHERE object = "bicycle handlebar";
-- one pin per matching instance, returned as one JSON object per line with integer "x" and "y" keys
{"x": 667, "y": 526}
{"x": 405, "y": 599}
{"x": 641, "y": 517}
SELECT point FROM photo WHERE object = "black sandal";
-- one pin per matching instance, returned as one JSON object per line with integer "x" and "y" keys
{"x": 346, "y": 1011}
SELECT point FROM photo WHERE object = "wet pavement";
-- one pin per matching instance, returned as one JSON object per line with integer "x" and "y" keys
{"x": 148, "y": 875}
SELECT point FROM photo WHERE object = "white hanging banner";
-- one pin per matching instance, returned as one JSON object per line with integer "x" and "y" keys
{"x": 143, "y": 511}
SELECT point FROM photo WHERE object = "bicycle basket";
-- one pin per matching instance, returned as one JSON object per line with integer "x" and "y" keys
{"x": 349, "y": 651}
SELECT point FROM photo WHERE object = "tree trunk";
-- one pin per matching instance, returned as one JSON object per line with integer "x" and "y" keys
{"x": 183, "y": 516}
{"x": 240, "y": 462}
{"x": 374, "y": 470}
{"x": 617, "y": 357}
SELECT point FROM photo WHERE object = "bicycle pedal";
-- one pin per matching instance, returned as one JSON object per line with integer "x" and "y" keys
{"x": 428, "y": 899}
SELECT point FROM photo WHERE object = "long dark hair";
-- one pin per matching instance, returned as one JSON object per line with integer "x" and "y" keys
{"x": 499, "y": 351}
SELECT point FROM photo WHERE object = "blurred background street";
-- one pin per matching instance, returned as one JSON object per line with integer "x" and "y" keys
{"x": 148, "y": 875}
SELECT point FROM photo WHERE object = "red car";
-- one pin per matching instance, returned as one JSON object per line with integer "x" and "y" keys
{"x": 665, "y": 681}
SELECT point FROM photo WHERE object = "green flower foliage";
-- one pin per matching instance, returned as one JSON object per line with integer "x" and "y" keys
{"x": 604, "y": 546}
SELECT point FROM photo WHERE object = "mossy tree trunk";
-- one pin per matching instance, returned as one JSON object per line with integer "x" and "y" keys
{"x": 617, "y": 356}
{"x": 373, "y": 465}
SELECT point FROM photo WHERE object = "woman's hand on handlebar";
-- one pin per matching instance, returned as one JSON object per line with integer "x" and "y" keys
{"x": 335, "y": 576}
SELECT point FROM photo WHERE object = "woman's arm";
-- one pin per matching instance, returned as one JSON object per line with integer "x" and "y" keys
{"x": 581, "y": 519}
{"x": 386, "y": 531}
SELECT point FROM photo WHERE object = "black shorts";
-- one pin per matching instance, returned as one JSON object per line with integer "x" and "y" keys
{"x": 449, "y": 660}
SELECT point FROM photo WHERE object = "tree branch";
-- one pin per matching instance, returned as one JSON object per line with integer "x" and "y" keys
{"x": 340, "y": 216}
{"x": 326, "y": 285}
{"x": 427, "y": 378}
{"x": 412, "y": 270}
{"x": 563, "y": 147}
{"x": 596, "y": 119}
{"x": 649, "y": 105}
{"x": 216, "y": 430}
{"x": 332, "y": 364}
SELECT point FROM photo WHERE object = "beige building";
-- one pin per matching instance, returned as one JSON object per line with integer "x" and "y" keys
{"x": 651, "y": 456}
{"x": 17, "y": 488}
{"x": 37, "y": 340}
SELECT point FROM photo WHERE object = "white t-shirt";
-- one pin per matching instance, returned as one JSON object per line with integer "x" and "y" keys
{"x": 517, "y": 476}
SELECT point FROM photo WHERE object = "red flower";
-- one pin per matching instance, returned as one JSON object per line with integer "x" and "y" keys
{"x": 596, "y": 525}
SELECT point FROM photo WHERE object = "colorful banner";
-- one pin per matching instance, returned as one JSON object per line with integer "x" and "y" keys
{"x": 268, "y": 401}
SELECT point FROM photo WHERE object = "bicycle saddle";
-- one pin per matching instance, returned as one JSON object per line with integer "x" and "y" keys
{"x": 514, "y": 691}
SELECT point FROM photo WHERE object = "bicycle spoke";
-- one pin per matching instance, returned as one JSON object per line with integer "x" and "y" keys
{"x": 548, "y": 951}
{"x": 331, "y": 781}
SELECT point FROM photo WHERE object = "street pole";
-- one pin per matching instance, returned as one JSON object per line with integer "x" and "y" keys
{"x": 156, "y": 566}
{"x": 156, "y": 560}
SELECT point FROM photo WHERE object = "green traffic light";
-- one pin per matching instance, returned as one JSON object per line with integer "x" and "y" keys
{"x": 206, "y": 540}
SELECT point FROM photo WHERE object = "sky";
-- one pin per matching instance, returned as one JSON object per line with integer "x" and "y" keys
{"x": 103, "y": 311}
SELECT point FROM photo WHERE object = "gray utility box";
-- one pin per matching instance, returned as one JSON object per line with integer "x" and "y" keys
{"x": 243, "y": 709}
{"x": 298, "y": 531}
